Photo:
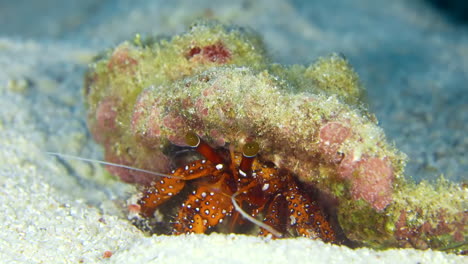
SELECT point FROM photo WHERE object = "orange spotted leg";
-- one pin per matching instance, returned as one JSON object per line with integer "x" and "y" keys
{"x": 306, "y": 217}
{"x": 166, "y": 188}
{"x": 159, "y": 193}
{"x": 203, "y": 209}
{"x": 275, "y": 215}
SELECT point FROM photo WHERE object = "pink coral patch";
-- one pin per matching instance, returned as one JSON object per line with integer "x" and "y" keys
{"x": 217, "y": 53}
{"x": 154, "y": 123}
{"x": 154, "y": 130}
{"x": 173, "y": 121}
{"x": 177, "y": 125}
{"x": 332, "y": 135}
{"x": 347, "y": 166}
{"x": 193, "y": 51}
{"x": 374, "y": 182}
{"x": 139, "y": 111}
{"x": 146, "y": 117}
{"x": 121, "y": 60}
{"x": 217, "y": 138}
{"x": 106, "y": 113}
{"x": 201, "y": 108}
{"x": 371, "y": 179}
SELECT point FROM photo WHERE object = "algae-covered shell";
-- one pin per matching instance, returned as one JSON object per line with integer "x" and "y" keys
{"x": 232, "y": 104}
{"x": 218, "y": 82}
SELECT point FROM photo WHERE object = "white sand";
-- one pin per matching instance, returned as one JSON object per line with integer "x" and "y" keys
{"x": 64, "y": 212}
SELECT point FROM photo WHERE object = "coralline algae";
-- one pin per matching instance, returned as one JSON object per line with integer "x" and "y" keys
{"x": 217, "y": 81}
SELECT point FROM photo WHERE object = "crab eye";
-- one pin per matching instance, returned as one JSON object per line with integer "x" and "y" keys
{"x": 192, "y": 139}
{"x": 250, "y": 149}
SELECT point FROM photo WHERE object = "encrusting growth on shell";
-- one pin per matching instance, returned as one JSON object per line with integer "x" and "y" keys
{"x": 217, "y": 81}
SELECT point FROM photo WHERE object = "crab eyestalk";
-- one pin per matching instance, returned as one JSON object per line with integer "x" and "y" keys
{"x": 194, "y": 141}
{"x": 249, "y": 152}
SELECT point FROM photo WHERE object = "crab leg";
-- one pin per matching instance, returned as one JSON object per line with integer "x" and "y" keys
{"x": 165, "y": 188}
{"x": 204, "y": 208}
{"x": 306, "y": 217}
{"x": 275, "y": 215}
{"x": 158, "y": 193}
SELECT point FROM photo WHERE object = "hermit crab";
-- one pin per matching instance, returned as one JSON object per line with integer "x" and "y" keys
{"x": 236, "y": 192}
{"x": 324, "y": 167}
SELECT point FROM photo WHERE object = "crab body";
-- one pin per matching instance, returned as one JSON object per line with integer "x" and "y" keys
{"x": 260, "y": 188}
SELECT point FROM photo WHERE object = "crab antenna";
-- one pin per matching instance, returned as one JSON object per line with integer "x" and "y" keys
{"x": 194, "y": 141}
{"x": 249, "y": 152}
{"x": 66, "y": 156}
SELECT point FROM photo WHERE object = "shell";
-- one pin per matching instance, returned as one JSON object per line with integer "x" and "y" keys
{"x": 217, "y": 81}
